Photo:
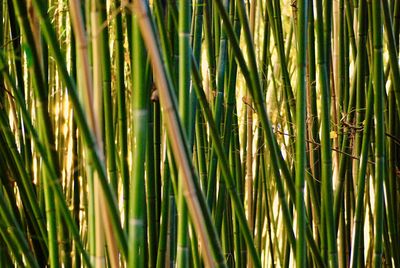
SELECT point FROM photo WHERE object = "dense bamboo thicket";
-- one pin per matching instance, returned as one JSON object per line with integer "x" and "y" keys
{"x": 199, "y": 133}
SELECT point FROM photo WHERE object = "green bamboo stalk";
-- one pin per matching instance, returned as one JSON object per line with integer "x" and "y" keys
{"x": 201, "y": 152}
{"x": 378, "y": 82}
{"x": 230, "y": 71}
{"x": 237, "y": 234}
{"x": 218, "y": 112}
{"x": 157, "y": 164}
{"x": 339, "y": 69}
{"x": 301, "y": 133}
{"x": 257, "y": 194}
{"x": 345, "y": 95}
{"x": 101, "y": 7}
{"x": 172, "y": 211}
{"x": 326, "y": 157}
{"x": 182, "y": 258}
{"x": 122, "y": 111}
{"x": 231, "y": 89}
{"x": 355, "y": 90}
{"x": 151, "y": 191}
{"x": 361, "y": 179}
{"x": 390, "y": 183}
{"x": 313, "y": 125}
{"x": 162, "y": 244}
{"x": 137, "y": 206}
{"x": 267, "y": 212}
{"x": 361, "y": 66}
{"x": 208, "y": 35}
{"x": 250, "y": 138}
{"x": 51, "y": 221}
{"x": 360, "y": 166}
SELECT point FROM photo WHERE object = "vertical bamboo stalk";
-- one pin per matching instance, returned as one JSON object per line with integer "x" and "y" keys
{"x": 326, "y": 157}
{"x": 122, "y": 111}
{"x": 98, "y": 243}
{"x": 184, "y": 89}
{"x": 356, "y": 252}
{"x": 249, "y": 138}
{"x": 378, "y": 83}
{"x": 301, "y": 132}
{"x": 137, "y": 203}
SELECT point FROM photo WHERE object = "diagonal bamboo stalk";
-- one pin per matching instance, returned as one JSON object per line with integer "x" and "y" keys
{"x": 193, "y": 197}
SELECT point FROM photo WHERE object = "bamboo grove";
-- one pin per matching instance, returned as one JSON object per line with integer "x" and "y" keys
{"x": 199, "y": 133}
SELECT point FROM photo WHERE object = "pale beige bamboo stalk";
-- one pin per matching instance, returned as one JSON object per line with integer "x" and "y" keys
{"x": 336, "y": 79}
{"x": 172, "y": 126}
{"x": 253, "y": 7}
{"x": 99, "y": 260}
{"x": 97, "y": 103}
{"x": 82, "y": 51}
{"x": 100, "y": 205}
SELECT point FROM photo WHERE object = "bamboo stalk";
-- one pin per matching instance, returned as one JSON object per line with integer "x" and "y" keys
{"x": 379, "y": 131}
{"x": 301, "y": 133}
{"x": 184, "y": 89}
{"x": 192, "y": 196}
